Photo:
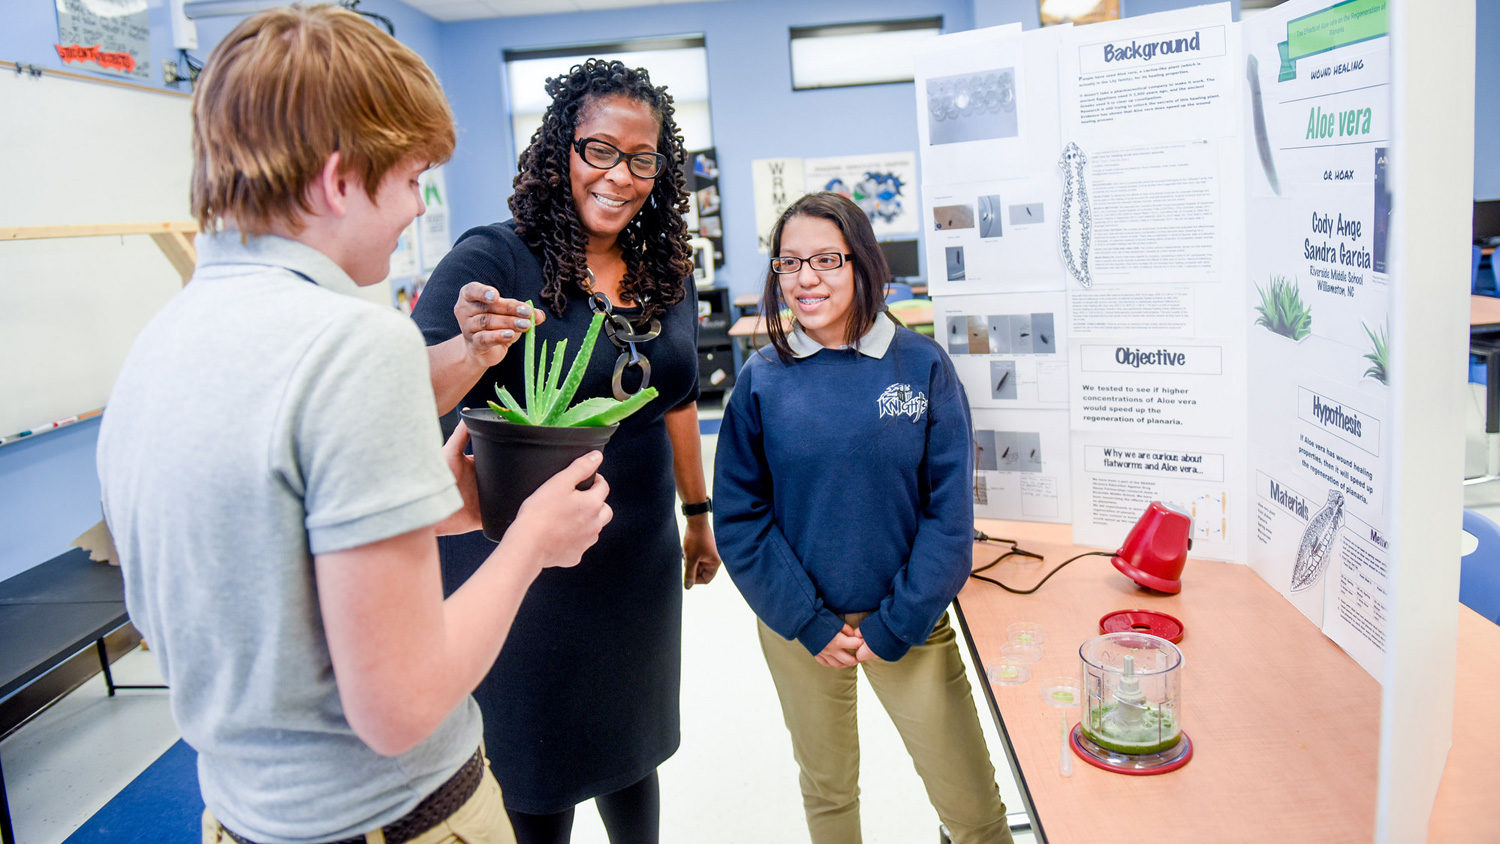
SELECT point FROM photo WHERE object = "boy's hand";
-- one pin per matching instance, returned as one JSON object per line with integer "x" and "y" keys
{"x": 466, "y": 519}
{"x": 490, "y": 324}
{"x": 558, "y": 522}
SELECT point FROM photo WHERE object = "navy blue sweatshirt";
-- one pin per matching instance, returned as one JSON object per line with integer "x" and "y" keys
{"x": 843, "y": 484}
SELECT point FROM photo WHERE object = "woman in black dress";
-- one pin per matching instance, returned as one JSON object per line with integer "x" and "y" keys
{"x": 583, "y": 700}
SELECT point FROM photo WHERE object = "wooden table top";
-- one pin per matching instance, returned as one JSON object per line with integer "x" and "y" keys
{"x": 1484, "y": 310}
{"x": 1285, "y": 725}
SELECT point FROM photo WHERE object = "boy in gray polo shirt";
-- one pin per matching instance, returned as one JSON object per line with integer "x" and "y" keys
{"x": 271, "y": 467}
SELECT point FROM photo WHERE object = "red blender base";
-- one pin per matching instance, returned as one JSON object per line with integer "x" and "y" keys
{"x": 1122, "y": 763}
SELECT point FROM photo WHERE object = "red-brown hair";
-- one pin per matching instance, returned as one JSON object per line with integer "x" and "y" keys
{"x": 286, "y": 89}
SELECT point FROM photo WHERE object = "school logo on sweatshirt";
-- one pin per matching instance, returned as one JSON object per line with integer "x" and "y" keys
{"x": 900, "y": 400}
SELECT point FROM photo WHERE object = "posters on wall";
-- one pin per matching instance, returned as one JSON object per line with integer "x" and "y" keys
{"x": 882, "y": 185}
{"x": 111, "y": 36}
{"x": 777, "y": 183}
{"x": 405, "y": 278}
{"x": 1316, "y": 90}
{"x": 434, "y": 234}
{"x": 423, "y": 244}
{"x": 1208, "y": 267}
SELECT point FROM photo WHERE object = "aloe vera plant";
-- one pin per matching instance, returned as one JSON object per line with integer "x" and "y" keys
{"x": 548, "y": 393}
{"x": 1282, "y": 310}
{"x": 1377, "y": 354}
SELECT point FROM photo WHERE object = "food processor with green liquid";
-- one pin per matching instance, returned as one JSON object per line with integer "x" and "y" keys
{"x": 1132, "y": 705}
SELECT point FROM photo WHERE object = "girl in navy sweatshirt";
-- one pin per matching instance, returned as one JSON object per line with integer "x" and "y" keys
{"x": 844, "y": 516}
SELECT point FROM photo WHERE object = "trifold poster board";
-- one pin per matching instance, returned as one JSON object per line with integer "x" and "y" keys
{"x": 1318, "y": 202}
{"x": 1109, "y": 373}
{"x": 1172, "y": 279}
{"x": 1175, "y": 287}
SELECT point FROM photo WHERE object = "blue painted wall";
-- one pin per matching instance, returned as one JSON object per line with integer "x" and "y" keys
{"x": 1486, "y": 102}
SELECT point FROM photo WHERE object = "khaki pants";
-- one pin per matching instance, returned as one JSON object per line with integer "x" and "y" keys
{"x": 480, "y": 820}
{"x": 929, "y": 699}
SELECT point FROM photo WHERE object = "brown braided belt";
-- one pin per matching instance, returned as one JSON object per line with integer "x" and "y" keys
{"x": 434, "y": 808}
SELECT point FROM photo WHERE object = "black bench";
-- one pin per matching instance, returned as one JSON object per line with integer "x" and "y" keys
{"x": 48, "y": 614}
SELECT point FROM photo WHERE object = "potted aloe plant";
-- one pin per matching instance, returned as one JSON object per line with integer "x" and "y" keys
{"x": 518, "y": 446}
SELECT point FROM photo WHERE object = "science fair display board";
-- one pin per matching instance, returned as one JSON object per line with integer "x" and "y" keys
{"x": 1168, "y": 281}
{"x": 1172, "y": 279}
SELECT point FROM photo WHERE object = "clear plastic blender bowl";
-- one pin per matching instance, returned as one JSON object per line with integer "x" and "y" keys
{"x": 1132, "y": 694}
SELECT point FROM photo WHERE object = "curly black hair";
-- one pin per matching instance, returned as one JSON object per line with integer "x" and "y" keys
{"x": 655, "y": 242}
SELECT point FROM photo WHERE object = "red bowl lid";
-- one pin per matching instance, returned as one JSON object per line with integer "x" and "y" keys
{"x": 1142, "y": 621}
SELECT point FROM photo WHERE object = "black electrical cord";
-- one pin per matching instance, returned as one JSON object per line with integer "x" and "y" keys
{"x": 353, "y": 6}
{"x": 1015, "y": 549}
{"x": 977, "y": 576}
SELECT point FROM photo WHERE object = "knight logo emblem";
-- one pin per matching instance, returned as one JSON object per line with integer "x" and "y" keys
{"x": 900, "y": 400}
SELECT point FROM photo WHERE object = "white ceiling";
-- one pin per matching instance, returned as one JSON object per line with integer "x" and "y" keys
{"x": 464, "y": 10}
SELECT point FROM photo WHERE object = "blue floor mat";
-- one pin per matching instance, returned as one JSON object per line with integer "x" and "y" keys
{"x": 161, "y": 806}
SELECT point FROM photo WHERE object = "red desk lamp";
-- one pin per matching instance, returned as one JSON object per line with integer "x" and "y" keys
{"x": 1156, "y": 549}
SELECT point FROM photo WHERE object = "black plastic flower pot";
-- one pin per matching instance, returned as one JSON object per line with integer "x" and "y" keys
{"x": 511, "y": 461}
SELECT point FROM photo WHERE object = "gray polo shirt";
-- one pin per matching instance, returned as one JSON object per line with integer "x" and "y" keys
{"x": 266, "y": 414}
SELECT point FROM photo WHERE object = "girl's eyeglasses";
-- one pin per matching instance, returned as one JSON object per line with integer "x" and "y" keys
{"x": 822, "y": 262}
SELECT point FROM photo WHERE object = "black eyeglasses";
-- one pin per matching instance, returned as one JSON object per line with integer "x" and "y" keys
{"x": 822, "y": 262}
{"x": 604, "y": 155}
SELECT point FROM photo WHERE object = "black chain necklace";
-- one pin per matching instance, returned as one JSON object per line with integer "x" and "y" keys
{"x": 625, "y": 335}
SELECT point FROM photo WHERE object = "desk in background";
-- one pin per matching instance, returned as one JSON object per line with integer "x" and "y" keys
{"x": 1285, "y": 725}
{"x": 752, "y": 328}
{"x": 748, "y": 302}
{"x": 1484, "y": 340}
{"x": 49, "y": 614}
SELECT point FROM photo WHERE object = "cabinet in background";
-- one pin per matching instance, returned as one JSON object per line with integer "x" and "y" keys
{"x": 717, "y": 362}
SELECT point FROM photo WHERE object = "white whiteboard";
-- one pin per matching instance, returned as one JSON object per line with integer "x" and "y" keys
{"x": 79, "y": 152}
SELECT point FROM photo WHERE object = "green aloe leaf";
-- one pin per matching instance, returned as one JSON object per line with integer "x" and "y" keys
{"x": 549, "y": 376}
{"x": 529, "y": 362}
{"x": 575, "y": 375}
{"x": 511, "y": 403}
{"x": 599, "y": 412}
{"x": 547, "y": 401}
{"x": 509, "y": 415}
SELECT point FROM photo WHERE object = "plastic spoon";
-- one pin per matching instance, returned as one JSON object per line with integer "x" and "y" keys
{"x": 1065, "y": 758}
